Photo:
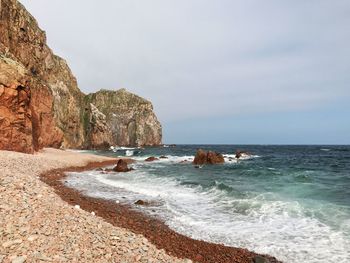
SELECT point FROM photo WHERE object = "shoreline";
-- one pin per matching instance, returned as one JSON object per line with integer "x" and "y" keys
{"x": 155, "y": 230}
{"x": 38, "y": 226}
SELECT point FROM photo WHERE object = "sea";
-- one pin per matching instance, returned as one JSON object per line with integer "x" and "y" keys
{"x": 291, "y": 202}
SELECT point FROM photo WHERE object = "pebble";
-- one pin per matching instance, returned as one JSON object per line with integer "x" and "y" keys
{"x": 11, "y": 243}
{"x": 37, "y": 226}
{"x": 32, "y": 238}
{"x": 19, "y": 259}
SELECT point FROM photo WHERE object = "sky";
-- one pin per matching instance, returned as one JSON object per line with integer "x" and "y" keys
{"x": 223, "y": 71}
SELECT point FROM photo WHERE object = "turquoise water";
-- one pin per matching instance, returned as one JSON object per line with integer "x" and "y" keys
{"x": 292, "y": 202}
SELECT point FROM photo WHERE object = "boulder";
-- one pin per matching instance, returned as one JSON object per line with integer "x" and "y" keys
{"x": 210, "y": 157}
{"x": 200, "y": 158}
{"x": 260, "y": 259}
{"x": 151, "y": 159}
{"x": 122, "y": 166}
{"x": 141, "y": 202}
{"x": 214, "y": 158}
{"x": 163, "y": 157}
{"x": 240, "y": 154}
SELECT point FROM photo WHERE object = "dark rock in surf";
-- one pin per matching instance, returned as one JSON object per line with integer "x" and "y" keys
{"x": 200, "y": 158}
{"x": 122, "y": 166}
{"x": 215, "y": 158}
{"x": 141, "y": 202}
{"x": 151, "y": 159}
{"x": 260, "y": 259}
{"x": 240, "y": 154}
{"x": 210, "y": 157}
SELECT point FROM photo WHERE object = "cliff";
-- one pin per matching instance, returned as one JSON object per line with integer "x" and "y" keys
{"x": 40, "y": 102}
{"x": 129, "y": 117}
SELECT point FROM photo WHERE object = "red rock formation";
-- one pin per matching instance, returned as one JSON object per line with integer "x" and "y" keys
{"x": 15, "y": 115}
{"x": 200, "y": 158}
{"x": 122, "y": 166}
{"x": 55, "y": 97}
{"x": 42, "y": 106}
{"x": 214, "y": 158}
{"x": 45, "y": 131}
{"x": 203, "y": 157}
{"x": 26, "y": 119}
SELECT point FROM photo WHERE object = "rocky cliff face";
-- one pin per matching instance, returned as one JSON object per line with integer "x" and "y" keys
{"x": 129, "y": 117}
{"x": 23, "y": 41}
{"x": 41, "y": 104}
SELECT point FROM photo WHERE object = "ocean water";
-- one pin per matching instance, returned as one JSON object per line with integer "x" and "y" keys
{"x": 292, "y": 202}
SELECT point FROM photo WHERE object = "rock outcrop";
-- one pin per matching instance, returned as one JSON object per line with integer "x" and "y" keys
{"x": 122, "y": 167}
{"x": 42, "y": 106}
{"x": 98, "y": 133}
{"x": 23, "y": 41}
{"x": 210, "y": 157}
{"x": 26, "y": 119}
{"x": 131, "y": 118}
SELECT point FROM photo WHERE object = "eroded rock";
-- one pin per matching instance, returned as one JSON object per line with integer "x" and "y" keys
{"x": 122, "y": 166}
{"x": 210, "y": 157}
{"x": 130, "y": 117}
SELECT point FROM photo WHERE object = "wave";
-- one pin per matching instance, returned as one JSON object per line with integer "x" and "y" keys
{"x": 122, "y": 148}
{"x": 129, "y": 153}
{"x": 223, "y": 212}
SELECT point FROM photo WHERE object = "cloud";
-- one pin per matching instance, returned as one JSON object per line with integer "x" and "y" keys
{"x": 200, "y": 58}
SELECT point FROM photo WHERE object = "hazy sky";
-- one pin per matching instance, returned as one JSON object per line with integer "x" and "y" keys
{"x": 219, "y": 71}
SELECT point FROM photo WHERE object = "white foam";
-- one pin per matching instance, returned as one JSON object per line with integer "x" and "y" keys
{"x": 122, "y": 148}
{"x": 129, "y": 153}
{"x": 170, "y": 159}
{"x": 263, "y": 223}
{"x": 325, "y": 150}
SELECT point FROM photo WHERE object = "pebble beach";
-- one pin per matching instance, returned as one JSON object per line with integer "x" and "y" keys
{"x": 36, "y": 225}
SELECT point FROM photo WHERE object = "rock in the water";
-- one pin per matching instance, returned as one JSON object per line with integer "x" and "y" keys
{"x": 201, "y": 157}
{"x": 122, "y": 166}
{"x": 141, "y": 202}
{"x": 163, "y": 157}
{"x": 151, "y": 159}
{"x": 214, "y": 158}
{"x": 210, "y": 157}
{"x": 260, "y": 259}
{"x": 240, "y": 154}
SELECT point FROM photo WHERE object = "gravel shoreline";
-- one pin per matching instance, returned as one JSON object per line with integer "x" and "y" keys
{"x": 43, "y": 220}
{"x": 153, "y": 229}
{"x": 36, "y": 225}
